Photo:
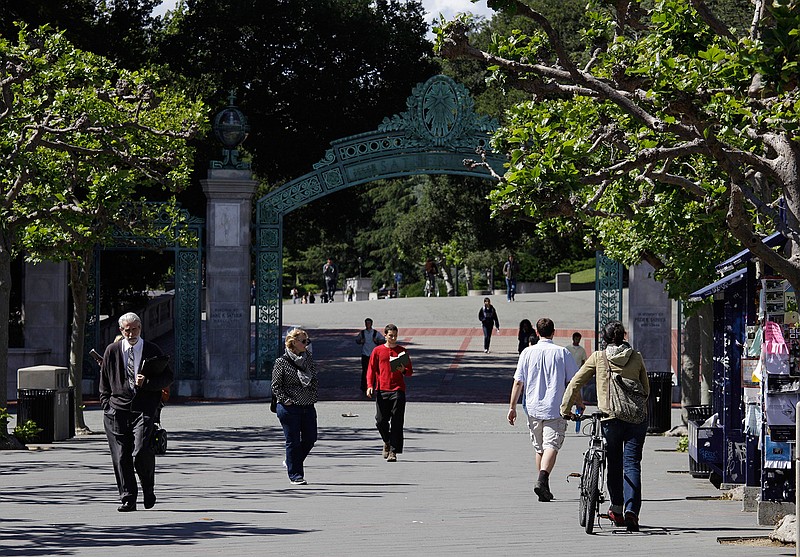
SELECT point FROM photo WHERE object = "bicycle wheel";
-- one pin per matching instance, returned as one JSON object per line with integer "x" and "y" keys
{"x": 592, "y": 493}
{"x": 583, "y": 492}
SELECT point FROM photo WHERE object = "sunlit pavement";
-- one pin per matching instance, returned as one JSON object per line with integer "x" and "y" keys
{"x": 461, "y": 487}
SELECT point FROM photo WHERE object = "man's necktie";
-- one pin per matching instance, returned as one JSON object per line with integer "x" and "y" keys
{"x": 130, "y": 370}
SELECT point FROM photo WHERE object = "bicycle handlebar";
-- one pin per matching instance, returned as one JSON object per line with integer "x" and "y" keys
{"x": 581, "y": 417}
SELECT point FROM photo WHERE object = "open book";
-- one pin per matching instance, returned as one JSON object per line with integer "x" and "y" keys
{"x": 400, "y": 359}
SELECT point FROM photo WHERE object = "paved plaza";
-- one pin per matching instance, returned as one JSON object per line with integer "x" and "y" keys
{"x": 462, "y": 486}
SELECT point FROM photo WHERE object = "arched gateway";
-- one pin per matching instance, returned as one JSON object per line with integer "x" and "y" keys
{"x": 438, "y": 131}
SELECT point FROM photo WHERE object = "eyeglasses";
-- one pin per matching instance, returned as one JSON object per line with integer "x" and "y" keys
{"x": 305, "y": 341}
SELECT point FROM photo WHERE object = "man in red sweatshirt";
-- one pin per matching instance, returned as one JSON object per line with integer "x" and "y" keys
{"x": 388, "y": 366}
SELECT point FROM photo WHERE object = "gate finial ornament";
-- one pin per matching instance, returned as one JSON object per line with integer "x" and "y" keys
{"x": 231, "y": 129}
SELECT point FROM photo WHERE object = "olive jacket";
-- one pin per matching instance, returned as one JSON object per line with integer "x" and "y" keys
{"x": 628, "y": 362}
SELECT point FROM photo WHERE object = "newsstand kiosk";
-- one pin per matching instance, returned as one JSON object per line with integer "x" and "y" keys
{"x": 749, "y": 439}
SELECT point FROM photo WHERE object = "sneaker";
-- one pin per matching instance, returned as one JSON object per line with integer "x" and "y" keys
{"x": 283, "y": 464}
{"x": 391, "y": 457}
{"x": 386, "y": 450}
{"x": 631, "y": 522}
{"x": 486, "y": 351}
{"x": 299, "y": 481}
{"x": 543, "y": 491}
{"x": 617, "y": 518}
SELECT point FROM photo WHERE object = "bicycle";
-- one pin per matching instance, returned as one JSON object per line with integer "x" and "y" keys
{"x": 592, "y": 478}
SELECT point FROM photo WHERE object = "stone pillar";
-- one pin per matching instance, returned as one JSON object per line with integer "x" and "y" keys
{"x": 46, "y": 310}
{"x": 227, "y": 353}
{"x": 650, "y": 318}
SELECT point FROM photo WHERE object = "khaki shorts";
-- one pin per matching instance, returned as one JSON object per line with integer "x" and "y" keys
{"x": 547, "y": 434}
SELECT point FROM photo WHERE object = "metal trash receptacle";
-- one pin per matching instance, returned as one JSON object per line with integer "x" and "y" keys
{"x": 659, "y": 404}
{"x": 38, "y": 405}
{"x": 71, "y": 432}
{"x": 698, "y": 415}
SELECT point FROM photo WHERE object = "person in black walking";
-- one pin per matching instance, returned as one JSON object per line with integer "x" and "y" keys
{"x": 487, "y": 315}
{"x": 331, "y": 275}
{"x": 526, "y": 335}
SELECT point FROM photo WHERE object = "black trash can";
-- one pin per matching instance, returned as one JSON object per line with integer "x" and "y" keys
{"x": 71, "y": 432}
{"x": 698, "y": 415}
{"x": 38, "y": 405}
{"x": 659, "y": 404}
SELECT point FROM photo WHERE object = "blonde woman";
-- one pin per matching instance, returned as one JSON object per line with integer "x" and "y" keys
{"x": 294, "y": 386}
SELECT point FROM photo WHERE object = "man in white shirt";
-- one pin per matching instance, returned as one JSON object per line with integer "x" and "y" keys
{"x": 543, "y": 372}
{"x": 369, "y": 338}
{"x": 579, "y": 354}
{"x": 577, "y": 351}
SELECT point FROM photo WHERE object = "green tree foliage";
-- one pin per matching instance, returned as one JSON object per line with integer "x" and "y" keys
{"x": 676, "y": 133}
{"x": 78, "y": 138}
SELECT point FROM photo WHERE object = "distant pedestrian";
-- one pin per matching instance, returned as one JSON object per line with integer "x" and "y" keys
{"x": 511, "y": 270}
{"x": 386, "y": 379}
{"x": 368, "y": 338}
{"x": 295, "y": 295}
{"x": 526, "y": 335}
{"x": 294, "y": 385}
{"x": 349, "y": 292}
{"x": 543, "y": 372}
{"x": 487, "y": 315}
{"x": 577, "y": 351}
{"x": 311, "y": 298}
{"x": 323, "y": 297}
{"x": 330, "y": 273}
{"x": 579, "y": 354}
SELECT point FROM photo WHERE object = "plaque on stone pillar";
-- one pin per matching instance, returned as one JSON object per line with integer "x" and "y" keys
{"x": 226, "y": 224}
{"x": 650, "y": 318}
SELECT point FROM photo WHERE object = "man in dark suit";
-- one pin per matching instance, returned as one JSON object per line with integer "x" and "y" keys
{"x": 130, "y": 401}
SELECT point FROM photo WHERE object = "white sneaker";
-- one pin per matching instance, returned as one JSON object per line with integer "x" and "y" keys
{"x": 283, "y": 464}
{"x": 486, "y": 351}
{"x": 299, "y": 481}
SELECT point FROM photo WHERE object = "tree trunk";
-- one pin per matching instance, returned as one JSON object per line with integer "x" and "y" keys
{"x": 697, "y": 353}
{"x": 79, "y": 286}
{"x": 448, "y": 279}
{"x": 706, "y": 316}
{"x": 5, "y": 295}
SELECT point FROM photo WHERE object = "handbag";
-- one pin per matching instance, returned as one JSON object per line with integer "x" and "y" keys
{"x": 158, "y": 440}
{"x": 626, "y": 397}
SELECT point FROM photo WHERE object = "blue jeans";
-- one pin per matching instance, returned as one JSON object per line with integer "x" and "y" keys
{"x": 300, "y": 430}
{"x": 624, "y": 444}
{"x": 511, "y": 288}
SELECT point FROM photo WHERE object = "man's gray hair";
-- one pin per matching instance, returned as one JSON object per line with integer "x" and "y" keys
{"x": 129, "y": 317}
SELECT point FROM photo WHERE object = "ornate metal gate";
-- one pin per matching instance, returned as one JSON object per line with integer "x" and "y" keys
{"x": 188, "y": 285}
{"x": 438, "y": 131}
{"x": 607, "y": 294}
